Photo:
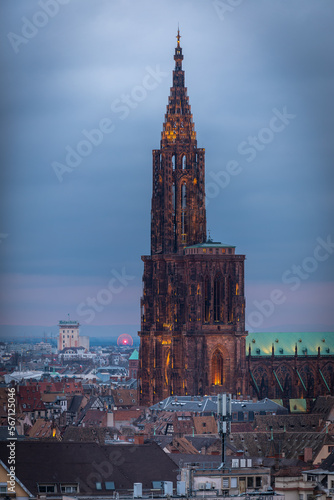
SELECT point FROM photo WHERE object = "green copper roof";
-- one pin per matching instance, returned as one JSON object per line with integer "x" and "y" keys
{"x": 284, "y": 343}
{"x": 134, "y": 355}
{"x": 211, "y": 244}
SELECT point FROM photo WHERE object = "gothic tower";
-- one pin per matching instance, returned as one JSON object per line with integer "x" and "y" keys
{"x": 192, "y": 338}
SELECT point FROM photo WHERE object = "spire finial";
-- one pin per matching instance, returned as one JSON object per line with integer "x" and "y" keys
{"x": 178, "y": 36}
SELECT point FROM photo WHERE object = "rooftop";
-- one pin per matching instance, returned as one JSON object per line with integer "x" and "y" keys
{"x": 208, "y": 404}
{"x": 134, "y": 355}
{"x": 285, "y": 343}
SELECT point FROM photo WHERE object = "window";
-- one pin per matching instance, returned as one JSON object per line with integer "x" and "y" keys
{"x": 110, "y": 485}
{"x": 69, "y": 488}
{"x": 250, "y": 482}
{"x": 184, "y": 163}
{"x": 258, "y": 482}
{"x": 47, "y": 488}
{"x": 98, "y": 486}
{"x": 184, "y": 228}
{"x": 225, "y": 482}
{"x": 234, "y": 483}
{"x": 207, "y": 291}
{"x": 3, "y": 487}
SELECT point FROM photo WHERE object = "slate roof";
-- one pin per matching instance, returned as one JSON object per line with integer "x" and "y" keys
{"x": 208, "y": 405}
{"x": 292, "y": 444}
{"x": 295, "y": 423}
{"x": 323, "y": 405}
{"x": 87, "y": 434}
{"x": 200, "y": 442}
{"x": 89, "y": 463}
{"x": 328, "y": 463}
{"x": 75, "y": 404}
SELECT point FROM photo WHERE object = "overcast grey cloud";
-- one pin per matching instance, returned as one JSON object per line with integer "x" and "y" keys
{"x": 65, "y": 238}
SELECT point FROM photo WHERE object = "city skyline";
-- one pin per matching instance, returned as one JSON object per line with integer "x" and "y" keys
{"x": 85, "y": 96}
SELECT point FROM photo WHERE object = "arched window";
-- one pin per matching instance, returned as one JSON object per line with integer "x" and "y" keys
{"x": 184, "y": 225}
{"x": 217, "y": 368}
{"x": 229, "y": 292}
{"x": 207, "y": 301}
{"x": 173, "y": 198}
{"x": 167, "y": 363}
{"x": 184, "y": 162}
{"x": 173, "y": 162}
{"x": 174, "y": 210}
{"x": 217, "y": 300}
{"x": 184, "y": 196}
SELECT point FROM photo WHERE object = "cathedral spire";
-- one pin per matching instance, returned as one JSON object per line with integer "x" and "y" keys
{"x": 178, "y": 125}
{"x": 178, "y": 202}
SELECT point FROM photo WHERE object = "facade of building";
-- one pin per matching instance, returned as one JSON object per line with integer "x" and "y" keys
{"x": 133, "y": 364}
{"x": 192, "y": 338}
{"x": 240, "y": 478}
{"x": 69, "y": 336}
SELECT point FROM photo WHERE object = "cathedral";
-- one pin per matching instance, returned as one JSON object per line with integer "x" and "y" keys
{"x": 192, "y": 338}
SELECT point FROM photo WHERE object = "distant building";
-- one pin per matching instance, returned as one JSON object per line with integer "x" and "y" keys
{"x": 69, "y": 336}
{"x": 133, "y": 364}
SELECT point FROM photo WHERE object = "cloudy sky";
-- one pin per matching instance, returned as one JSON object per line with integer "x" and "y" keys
{"x": 84, "y": 86}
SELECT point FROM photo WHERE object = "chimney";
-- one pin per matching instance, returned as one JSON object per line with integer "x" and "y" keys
{"x": 139, "y": 438}
{"x": 308, "y": 454}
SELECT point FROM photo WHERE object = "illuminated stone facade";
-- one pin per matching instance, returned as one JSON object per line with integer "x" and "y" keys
{"x": 192, "y": 338}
